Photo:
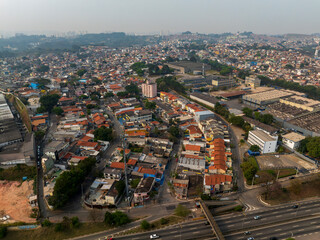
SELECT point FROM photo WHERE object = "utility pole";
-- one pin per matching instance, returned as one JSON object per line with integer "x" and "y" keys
{"x": 278, "y": 175}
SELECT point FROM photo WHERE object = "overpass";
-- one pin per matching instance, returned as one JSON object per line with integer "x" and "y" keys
{"x": 211, "y": 220}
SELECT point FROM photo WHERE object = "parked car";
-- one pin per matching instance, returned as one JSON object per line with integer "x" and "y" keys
{"x": 257, "y": 217}
{"x": 247, "y": 233}
{"x": 295, "y": 206}
{"x": 292, "y": 177}
{"x": 250, "y": 238}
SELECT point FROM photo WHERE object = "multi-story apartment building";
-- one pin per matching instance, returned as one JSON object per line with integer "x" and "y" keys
{"x": 266, "y": 142}
{"x": 149, "y": 89}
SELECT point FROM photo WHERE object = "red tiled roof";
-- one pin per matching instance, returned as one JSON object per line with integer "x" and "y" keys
{"x": 194, "y": 148}
{"x": 212, "y": 180}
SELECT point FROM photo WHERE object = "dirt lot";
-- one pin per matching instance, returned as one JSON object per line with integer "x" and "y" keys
{"x": 14, "y": 200}
{"x": 286, "y": 160}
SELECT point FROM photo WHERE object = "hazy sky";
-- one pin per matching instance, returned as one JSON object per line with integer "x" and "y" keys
{"x": 150, "y": 16}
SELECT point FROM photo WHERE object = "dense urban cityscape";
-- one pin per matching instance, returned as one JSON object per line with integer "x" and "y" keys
{"x": 163, "y": 136}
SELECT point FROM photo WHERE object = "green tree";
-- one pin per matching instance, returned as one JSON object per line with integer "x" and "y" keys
{"x": 164, "y": 221}
{"x": 134, "y": 183}
{"x": 181, "y": 211}
{"x": 150, "y": 105}
{"x": 81, "y": 72}
{"x": 69, "y": 182}
{"x": 145, "y": 225}
{"x": 166, "y": 83}
{"x": 116, "y": 219}
{"x": 43, "y": 69}
{"x": 247, "y": 111}
{"x": 254, "y": 148}
{"x": 120, "y": 186}
{"x": 266, "y": 118}
{"x": 39, "y": 135}
{"x": 58, "y": 111}
{"x": 3, "y": 231}
{"x": 75, "y": 222}
{"x": 122, "y": 94}
{"x": 49, "y": 101}
{"x": 103, "y": 134}
{"x": 108, "y": 94}
{"x": 313, "y": 147}
{"x": 236, "y": 120}
{"x": 174, "y": 131}
{"x": 46, "y": 223}
{"x": 226, "y": 70}
{"x": 132, "y": 89}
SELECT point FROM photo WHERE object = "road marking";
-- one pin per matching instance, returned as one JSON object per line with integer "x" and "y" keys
{"x": 259, "y": 233}
{"x": 278, "y": 216}
{"x": 278, "y": 229}
{"x": 313, "y": 222}
{"x": 300, "y": 230}
{"x": 296, "y": 226}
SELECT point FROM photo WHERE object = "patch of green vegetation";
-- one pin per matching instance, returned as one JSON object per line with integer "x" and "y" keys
{"x": 17, "y": 172}
{"x": 250, "y": 168}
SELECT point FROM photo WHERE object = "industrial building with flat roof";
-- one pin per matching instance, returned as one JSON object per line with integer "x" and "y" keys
{"x": 9, "y": 132}
{"x": 264, "y": 98}
{"x": 302, "y": 102}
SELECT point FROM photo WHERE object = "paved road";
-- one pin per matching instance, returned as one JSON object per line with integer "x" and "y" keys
{"x": 189, "y": 230}
{"x": 296, "y": 227}
{"x": 153, "y": 212}
{"x": 242, "y": 221}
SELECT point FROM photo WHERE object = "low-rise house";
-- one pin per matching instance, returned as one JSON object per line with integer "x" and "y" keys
{"x": 217, "y": 183}
{"x": 142, "y": 192}
{"x": 181, "y": 188}
{"x": 112, "y": 173}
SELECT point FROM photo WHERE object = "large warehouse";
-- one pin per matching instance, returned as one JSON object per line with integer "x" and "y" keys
{"x": 261, "y": 99}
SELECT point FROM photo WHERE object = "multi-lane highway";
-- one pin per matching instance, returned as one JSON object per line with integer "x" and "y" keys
{"x": 282, "y": 222}
{"x": 190, "y": 230}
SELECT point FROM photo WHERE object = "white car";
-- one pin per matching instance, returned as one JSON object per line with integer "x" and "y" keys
{"x": 257, "y": 218}
{"x": 154, "y": 236}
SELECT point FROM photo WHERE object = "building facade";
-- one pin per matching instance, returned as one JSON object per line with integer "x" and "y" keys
{"x": 266, "y": 142}
{"x": 149, "y": 89}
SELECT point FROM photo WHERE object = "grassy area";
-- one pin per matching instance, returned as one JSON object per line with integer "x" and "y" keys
{"x": 49, "y": 233}
{"x": 296, "y": 191}
{"x": 272, "y": 174}
{"x": 156, "y": 224}
{"x": 16, "y": 173}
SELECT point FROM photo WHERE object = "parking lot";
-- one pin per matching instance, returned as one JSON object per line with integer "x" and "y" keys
{"x": 281, "y": 161}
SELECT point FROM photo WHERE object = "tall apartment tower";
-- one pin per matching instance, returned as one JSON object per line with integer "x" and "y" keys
{"x": 149, "y": 89}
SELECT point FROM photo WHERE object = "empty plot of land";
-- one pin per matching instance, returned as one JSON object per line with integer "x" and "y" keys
{"x": 14, "y": 200}
{"x": 288, "y": 160}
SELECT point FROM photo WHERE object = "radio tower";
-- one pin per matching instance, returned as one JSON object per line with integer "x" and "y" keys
{"x": 203, "y": 72}
{"x": 125, "y": 164}
{"x": 316, "y": 53}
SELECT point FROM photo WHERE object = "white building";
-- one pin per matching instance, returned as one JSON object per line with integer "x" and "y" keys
{"x": 149, "y": 89}
{"x": 292, "y": 140}
{"x": 266, "y": 142}
{"x": 203, "y": 115}
{"x": 192, "y": 163}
